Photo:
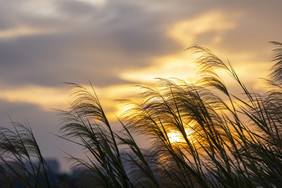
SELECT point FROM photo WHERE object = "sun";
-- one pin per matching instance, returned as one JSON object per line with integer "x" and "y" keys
{"x": 177, "y": 137}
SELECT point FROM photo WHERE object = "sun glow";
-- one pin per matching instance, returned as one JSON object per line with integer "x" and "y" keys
{"x": 177, "y": 137}
{"x": 174, "y": 65}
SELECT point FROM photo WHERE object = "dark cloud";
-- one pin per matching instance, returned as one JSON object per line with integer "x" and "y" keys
{"x": 75, "y": 8}
{"x": 99, "y": 52}
{"x": 99, "y": 43}
{"x": 8, "y": 13}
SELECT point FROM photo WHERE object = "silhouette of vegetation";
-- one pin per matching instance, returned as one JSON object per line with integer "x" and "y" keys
{"x": 223, "y": 140}
{"x": 19, "y": 151}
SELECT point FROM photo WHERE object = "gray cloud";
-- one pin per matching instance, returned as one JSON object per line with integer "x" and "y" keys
{"x": 75, "y": 8}
{"x": 259, "y": 24}
{"x": 100, "y": 51}
{"x": 99, "y": 43}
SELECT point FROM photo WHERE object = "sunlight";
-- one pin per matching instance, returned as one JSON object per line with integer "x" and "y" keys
{"x": 175, "y": 65}
{"x": 176, "y": 136}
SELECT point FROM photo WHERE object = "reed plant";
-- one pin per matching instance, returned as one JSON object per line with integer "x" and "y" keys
{"x": 199, "y": 134}
{"x": 21, "y": 160}
{"x": 226, "y": 140}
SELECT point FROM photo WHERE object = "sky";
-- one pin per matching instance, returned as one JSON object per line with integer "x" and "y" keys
{"x": 116, "y": 45}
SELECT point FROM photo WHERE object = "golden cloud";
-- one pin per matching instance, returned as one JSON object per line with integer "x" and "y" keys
{"x": 48, "y": 98}
{"x": 185, "y": 32}
{"x": 23, "y": 30}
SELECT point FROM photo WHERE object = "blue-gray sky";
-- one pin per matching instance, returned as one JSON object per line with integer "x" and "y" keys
{"x": 116, "y": 44}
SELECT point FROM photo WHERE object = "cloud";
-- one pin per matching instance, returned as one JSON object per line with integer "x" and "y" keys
{"x": 100, "y": 47}
{"x": 116, "y": 43}
{"x": 210, "y": 28}
{"x": 121, "y": 42}
{"x": 23, "y": 31}
{"x": 214, "y": 22}
{"x": 76, "y": 8}
{"x": 45, "y": 97}
{"x": 49, "y": 98}
{"x": 175, "y": 65}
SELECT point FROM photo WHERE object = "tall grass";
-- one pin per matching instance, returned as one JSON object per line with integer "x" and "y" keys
{"x": 225, "y": 140}
{"x": 21, "y": 161}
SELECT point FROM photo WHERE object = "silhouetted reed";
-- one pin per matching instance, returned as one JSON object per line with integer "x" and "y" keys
{"x": 21, "y": 161}
{"x": 223, "y": 140}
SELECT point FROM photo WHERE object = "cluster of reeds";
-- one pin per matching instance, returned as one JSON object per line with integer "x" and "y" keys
{"x": 21, "y": 161}
{"x": 223, "y": 140}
